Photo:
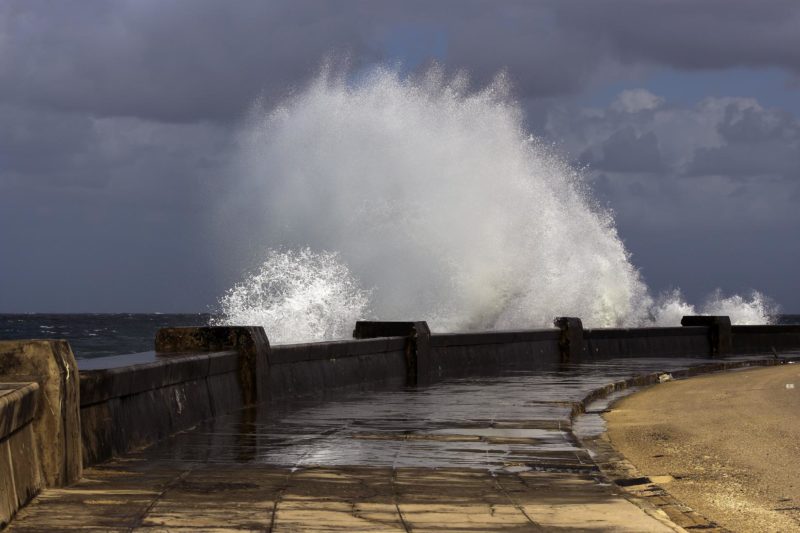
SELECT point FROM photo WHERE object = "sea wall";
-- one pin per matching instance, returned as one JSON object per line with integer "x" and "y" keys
{"x": 20, "y": 469}
{"x": 131, "y": 407}
{"x": 470, "y": 354}
{"x": 39, "y": 421}
{"x": 765, "y": 339}
{"x": 646, "y": 342}
{"x": 297, "y": 370}
{"x": 199, "y": 373}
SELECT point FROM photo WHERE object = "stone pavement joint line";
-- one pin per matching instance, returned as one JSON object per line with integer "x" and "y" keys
{"x": 488, "y": 454}
{"x": 134, "y": 496}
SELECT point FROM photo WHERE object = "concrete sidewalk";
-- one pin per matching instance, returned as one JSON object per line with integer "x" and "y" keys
{"x": 136, "y": 495}
{"x": 491, "y": 454}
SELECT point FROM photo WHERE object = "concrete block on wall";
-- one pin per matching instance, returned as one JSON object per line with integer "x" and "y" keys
{"x": 719, "y": 332}
{"x": 250, "y": 341}
{"x": 570, "y": 343}
{"x": 420, "y": 368}
{"x": 56, "y": 424}
{"x": 20, "y": 468}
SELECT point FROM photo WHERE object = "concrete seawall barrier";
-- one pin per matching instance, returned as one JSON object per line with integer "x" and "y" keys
{"x": 52, "y": 423}
{"x": 20, "y": 469}
{"x": 647, "y": 342}
{"x": 417, "y": 349}
{"x": 466, "y": 354}
{"x": 249, "y": 342}
{"x": 198, "y": 373}
{"x": 56, "y": 422}
{"x": 765, "y": 339}
{"x": 433, "y": 357}
{"x": 39, "y": 421}
{"x": 131, "y": 407}
{"x": 297, "y": 370}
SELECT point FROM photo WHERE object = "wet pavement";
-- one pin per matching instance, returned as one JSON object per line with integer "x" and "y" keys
{"x": 494, "y": 454}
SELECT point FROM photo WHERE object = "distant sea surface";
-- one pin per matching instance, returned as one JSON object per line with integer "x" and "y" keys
{"x": 99, "y": 335}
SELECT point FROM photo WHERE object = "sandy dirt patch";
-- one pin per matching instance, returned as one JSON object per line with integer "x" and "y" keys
{"x": 727, "y": 445}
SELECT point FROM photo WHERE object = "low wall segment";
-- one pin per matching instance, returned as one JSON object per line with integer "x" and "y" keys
{"x": 39, "y": 421}
{"x": 20, "y": 469}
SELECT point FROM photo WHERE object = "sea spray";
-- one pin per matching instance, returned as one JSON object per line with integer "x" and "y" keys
{"x": 437, "y": 200}
{"x": 297, "y": 295}
{"x": 757, "y": 309}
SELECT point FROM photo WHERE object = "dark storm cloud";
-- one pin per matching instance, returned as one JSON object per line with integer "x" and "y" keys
{"x": 117, "y": 119}
{"x": 173, "y": 61}
{"x": 44, "y": 148}
{"x": 691, "y": 34}
{"x": 747, "y": 159}
{"x": 724, "y": 192}
{"x": 27, "y": 135}
{"x": 207, "y": 60}
{"x": 182, "y": 61}
{"x": 753, "y": 123}
{"x": 638, "y": 133}
{"x": 755, "y": 142}
{"x": 626, "y": 151}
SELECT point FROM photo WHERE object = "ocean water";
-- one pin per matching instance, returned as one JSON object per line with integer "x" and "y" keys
{"x": 96, "y": 335}
{"x": 100, "y": 335}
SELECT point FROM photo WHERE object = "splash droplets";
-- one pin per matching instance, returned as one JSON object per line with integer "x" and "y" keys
{"x": 437, "y": 199}
{"x": 298, "y": 296}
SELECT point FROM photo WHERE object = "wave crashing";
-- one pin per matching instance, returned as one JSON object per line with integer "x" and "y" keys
{"x": 439, "y": 206}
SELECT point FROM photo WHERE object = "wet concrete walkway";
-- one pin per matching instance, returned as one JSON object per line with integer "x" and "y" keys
{"x": 491, "y": 454}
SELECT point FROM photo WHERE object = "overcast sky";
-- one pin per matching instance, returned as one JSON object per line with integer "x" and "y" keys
{"x": 118, "y": 119}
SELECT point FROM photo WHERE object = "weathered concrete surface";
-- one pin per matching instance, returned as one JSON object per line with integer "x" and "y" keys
{"x": 56, "y": 424}
{"x": 251, "y": 342}
{"x": 604, "y": 343}
{"x": 20, "y": 471}
{"x": 719, "y": 329}
{"x": 458, "y": 355}
{"x": 765, "y": 339}
{"x": 570, "y": 342}
{"x": 18, "y": 402}
{"x": 316, "y": 369}
{"x": 462, "y": 455}
{"x": 726, "y": 445}
{"x": 136, "y": 495}
{"x": 130, "y": 407}
{"x": 420, "y": 369}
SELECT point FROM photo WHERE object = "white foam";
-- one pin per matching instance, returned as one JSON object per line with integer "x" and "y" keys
{"x": 297, "y": 296}
{"x": 757, "y": 309}
{"x": 438, "y": 200}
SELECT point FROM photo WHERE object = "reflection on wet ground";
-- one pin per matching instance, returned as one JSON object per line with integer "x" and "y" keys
{"x": 469, "y": 455}
{"x": 519, "y": 420}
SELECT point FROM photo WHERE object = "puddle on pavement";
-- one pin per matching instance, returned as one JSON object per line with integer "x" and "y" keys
{"x": 591, "y": 423}
{"x": 522, "y": 433}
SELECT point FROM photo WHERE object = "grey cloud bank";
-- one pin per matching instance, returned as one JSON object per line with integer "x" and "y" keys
{"x": 117, "y": 121}
{"x": 707, "y": 195}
